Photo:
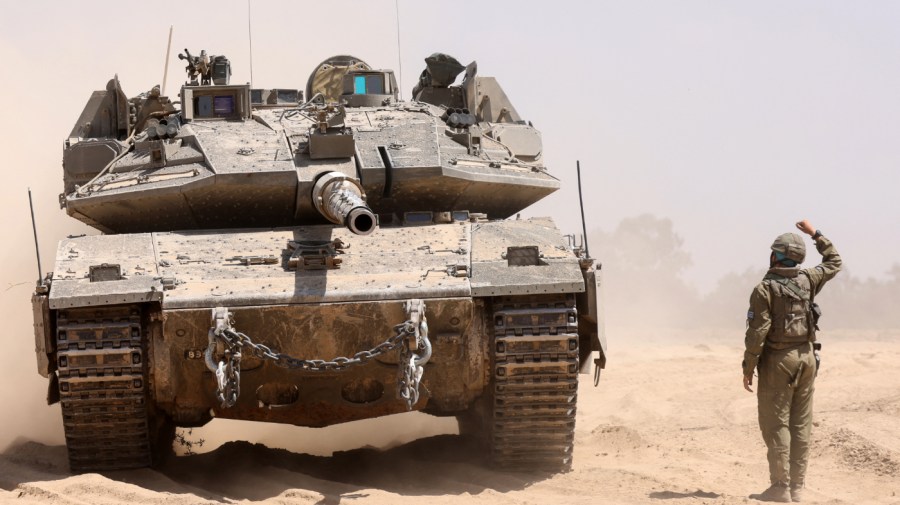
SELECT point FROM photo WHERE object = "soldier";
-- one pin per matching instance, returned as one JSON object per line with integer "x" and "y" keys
{"x": 781, "y": 331}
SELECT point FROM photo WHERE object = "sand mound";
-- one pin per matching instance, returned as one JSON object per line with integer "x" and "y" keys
{"x": 860, "y": 454}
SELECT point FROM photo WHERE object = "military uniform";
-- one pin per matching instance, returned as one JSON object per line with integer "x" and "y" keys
{"x": 779, "y": 341}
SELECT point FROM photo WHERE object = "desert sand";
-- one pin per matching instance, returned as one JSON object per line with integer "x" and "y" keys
{"x": 668, "y": 424}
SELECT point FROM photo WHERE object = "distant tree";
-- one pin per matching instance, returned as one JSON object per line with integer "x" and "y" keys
{"x": 643, "y": 261}
{"x": 847, "y": 302}
{"x": 646, "y": 243}
{"x": 726, "y": 306}
{"x": 851, "y": 302}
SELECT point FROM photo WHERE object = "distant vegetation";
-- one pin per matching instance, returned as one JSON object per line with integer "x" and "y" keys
{"x": 644, "y": 260}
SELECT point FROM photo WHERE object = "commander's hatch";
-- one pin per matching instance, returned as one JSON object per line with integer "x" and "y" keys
{"x": 350, "y": 81}
{"x": 369, "y": 88}
{"x": 216, "y": 102}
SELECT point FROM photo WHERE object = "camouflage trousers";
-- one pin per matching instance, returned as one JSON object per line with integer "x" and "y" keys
{"x": 785, "y": 395}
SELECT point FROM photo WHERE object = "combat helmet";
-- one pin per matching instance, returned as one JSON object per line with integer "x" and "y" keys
{"x": 791, "y": 246}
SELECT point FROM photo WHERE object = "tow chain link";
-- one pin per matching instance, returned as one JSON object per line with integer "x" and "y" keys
{"x": 410, "y": 337}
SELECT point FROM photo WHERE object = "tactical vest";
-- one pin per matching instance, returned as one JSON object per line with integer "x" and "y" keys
{"x": 792, "y": 313}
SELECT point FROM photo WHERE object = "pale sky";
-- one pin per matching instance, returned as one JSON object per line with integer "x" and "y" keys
{"x": 733, "y": 119}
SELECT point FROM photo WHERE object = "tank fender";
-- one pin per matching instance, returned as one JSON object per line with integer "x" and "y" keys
{"x": 44, "y": 343}
{"x": 591, "y": 328}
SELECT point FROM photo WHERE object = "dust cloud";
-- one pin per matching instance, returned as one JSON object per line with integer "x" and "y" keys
{"x": 24, "y": 413}
{"x": 645, "y": 284}
{"x": 23, "y": 392}
{"x": 30, "y": 161}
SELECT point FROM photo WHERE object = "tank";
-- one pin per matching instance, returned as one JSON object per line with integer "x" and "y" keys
{"x": 312, "y": 257}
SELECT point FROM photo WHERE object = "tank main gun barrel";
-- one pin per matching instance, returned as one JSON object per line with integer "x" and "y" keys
{"x": 341, "y": 200}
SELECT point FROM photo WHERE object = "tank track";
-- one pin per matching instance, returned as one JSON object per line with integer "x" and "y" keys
{"x": 535, "y": 384}
{"x": 103, "y": 388}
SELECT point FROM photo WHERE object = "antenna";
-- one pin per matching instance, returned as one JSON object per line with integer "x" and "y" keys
{"x": 37, "y": 250}
{"x": 250, "y": 39}
{"x": 166, "y": 64}
{"x": 587, "y": 253}
{"x": 399, "y": 59}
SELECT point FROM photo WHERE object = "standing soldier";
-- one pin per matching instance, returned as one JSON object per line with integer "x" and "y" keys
{"x": 781, "y": 335}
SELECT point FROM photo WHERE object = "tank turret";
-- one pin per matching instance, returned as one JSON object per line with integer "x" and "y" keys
{"x": 235, "y": 157}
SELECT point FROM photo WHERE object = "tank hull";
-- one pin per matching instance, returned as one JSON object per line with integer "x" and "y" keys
{"x": 512, "y": 319}
{"x": 313, "y": 311}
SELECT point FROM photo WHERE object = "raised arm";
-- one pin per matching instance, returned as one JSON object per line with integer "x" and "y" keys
{"x": 831, "y": 260}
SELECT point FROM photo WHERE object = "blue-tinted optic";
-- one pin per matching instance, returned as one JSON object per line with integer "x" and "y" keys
{"x": 359, "y": 85}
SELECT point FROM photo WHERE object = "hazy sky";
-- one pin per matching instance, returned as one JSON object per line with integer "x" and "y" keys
{"x": 733, "y": 119}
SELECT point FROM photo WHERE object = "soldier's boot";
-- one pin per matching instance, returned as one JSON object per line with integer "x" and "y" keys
{"x": 797, "y": 493}
{"x": 777, "y": 492}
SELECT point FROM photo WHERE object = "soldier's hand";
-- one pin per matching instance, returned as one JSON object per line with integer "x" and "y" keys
{"x": 806, "y": 227}
{"x": 748, "y": 381}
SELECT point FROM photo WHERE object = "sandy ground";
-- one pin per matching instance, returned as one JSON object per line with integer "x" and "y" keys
{"x": 669, "y": 424}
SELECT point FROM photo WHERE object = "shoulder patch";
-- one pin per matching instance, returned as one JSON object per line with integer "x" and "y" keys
{"x": 750, "y": 315}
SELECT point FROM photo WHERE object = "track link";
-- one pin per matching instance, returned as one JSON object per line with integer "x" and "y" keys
{"x": 103, "y": 388}
{"x": 535, "y": 384}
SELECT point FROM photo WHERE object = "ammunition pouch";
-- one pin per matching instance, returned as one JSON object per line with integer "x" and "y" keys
{"x": 816, "y": 314}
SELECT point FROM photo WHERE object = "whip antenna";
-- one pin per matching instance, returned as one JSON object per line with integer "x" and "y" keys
{"x": 166, "y": 65}
{"x": 587, "y": 254}
{"x": 399, "y": 59}
{"x": 250, "y": 39}
{"x": 37, "y": 250}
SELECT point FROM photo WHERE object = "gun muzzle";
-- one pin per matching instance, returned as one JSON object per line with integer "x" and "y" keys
{"x": 341, "y": 200}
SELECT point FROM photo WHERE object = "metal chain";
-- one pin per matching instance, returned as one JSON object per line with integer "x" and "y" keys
{"x": 409, "y": 367}
{"x": 237, "y": 340}
{"x": 228, "y": 378}
{"x": 227, "y": 369}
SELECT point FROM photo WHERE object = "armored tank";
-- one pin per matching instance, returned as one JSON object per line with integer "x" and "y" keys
{"x": 312, "y": 257}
